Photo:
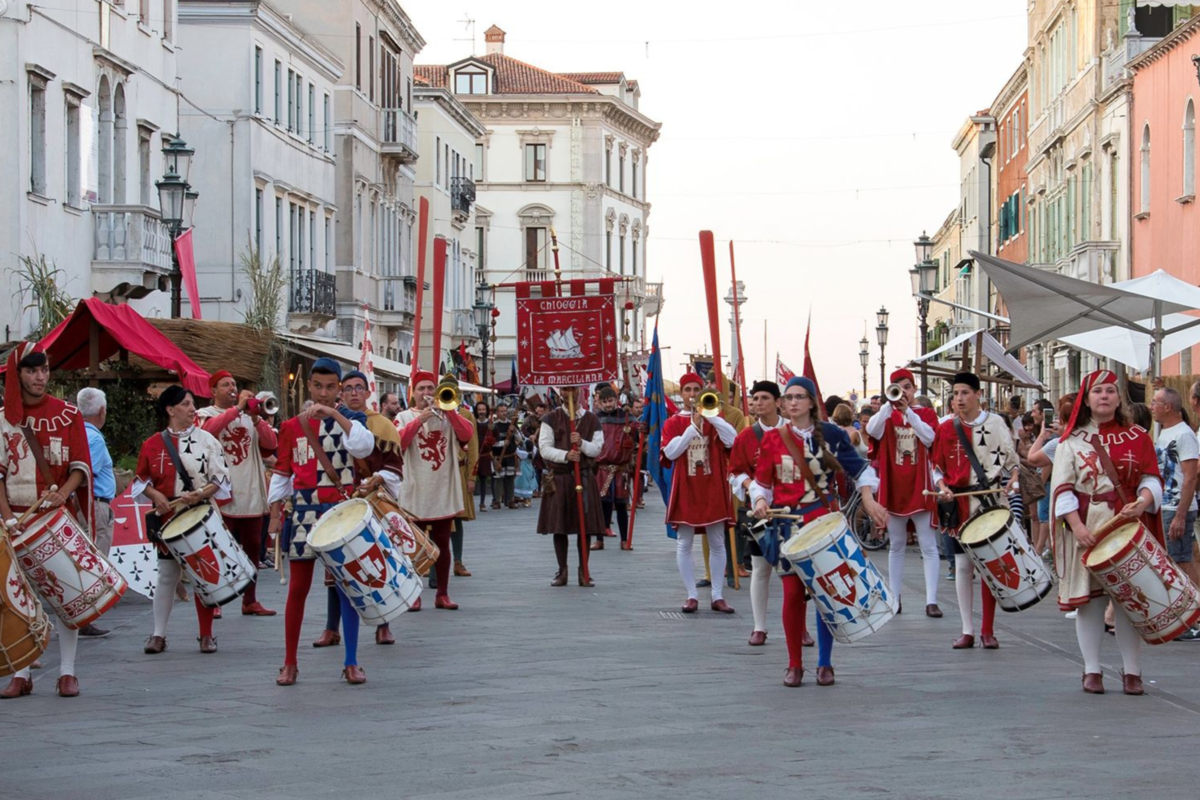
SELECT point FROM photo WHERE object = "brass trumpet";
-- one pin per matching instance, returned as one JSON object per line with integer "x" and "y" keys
{"x": 447, "y": 396}
{"x": 893, "y": 393}
{"x": 264, "y": 404}
{"x": 710, "y": 404}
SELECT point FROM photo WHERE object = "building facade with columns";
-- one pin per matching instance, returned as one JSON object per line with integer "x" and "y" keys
{"x": 88, "y": 92}
{"x": 567, "y": 151}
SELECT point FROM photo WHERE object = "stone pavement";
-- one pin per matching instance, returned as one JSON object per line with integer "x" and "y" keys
{"x": 530, "y": 691}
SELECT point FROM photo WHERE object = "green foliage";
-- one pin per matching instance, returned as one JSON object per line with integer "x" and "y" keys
{"x": 39, "y": 279}
{"x": 132, "y": 418}
{"x": 266, "y": 289}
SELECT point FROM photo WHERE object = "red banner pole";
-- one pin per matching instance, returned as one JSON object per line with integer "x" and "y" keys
{"x": 439, "y": 299}
{"x": 637, "y": 485}
{"x": 708, "y": 260}
{"x": 422, "y": 248}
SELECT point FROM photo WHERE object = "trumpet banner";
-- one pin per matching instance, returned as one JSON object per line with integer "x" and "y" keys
{"x": 566, "y": 333}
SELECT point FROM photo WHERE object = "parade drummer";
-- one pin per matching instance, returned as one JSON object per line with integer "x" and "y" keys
{"x": 613, "y": 465}
{"x": 246, "y": 439}
{"x": 798, "y": 466}
{"x": 205, "y": 477}
{"x": 1085, "y": 496}
{"x": 992, "y": 445}
{"x": 315, "y": 482}
{"x": 903, "y": 436}
{"x": 432, "y": 491}
{"x": 561, "y": 449}
{"x": 44, "y": 461}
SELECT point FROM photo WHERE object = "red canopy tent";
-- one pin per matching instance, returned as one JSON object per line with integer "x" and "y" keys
{"x": 96, "y": 331}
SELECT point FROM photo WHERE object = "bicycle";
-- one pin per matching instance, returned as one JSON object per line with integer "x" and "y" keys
{"x": 869, "y": 537}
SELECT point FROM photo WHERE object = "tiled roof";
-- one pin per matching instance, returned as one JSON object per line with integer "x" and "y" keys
{"x": 593, "y": 77}
{"x": 512, "y": 77}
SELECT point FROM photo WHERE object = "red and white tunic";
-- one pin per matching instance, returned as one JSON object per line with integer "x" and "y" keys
{"x": 246, "y": 440}
{"x": 699, "y": 492}
{"x": 744, "y": 456}
{"x": 432, "y": 487}
{"x": 902, "y": 450}
{"x": 200, "y": 454}
{"x": 992, "y": 443}
{"x": 58, "y": 428}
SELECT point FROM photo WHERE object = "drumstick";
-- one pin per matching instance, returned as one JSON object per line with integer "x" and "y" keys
{"x": 976, "y": 493}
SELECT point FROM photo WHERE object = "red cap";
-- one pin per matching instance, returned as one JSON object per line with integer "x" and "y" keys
{"x": 1096, "y": 378}
{"x": 901, "y": 374}
{"x": 690, "y": 377}
{"x": 217, "y": 377}
{"x": 420, "y": 376}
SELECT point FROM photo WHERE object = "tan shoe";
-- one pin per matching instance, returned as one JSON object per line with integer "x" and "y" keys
{"x": 460, "y": 570}
{"x": 17, "y": 687}
{"x": 155, "y": 645}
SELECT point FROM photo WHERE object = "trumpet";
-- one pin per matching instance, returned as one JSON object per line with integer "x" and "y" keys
{"x": 893, "y": 393}
{"x": 264, "y": 404}
{"x": 709, "y": 404}
{"x": 447, "y": 396}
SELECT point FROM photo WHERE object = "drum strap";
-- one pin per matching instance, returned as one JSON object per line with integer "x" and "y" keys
{"x": 184, "y": 476}
{"x": 39, "y": 457}
{"x": 789, "y": 442}
{"x": 323, "y": 457}
{"x": 987, "y": 500}
{"x": 1110, "y": 469}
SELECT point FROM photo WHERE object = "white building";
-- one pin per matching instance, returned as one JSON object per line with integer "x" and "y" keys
{"x": 87, "y": 89}
{"x": 264, "y": 163}
{"x": 567, "y": 151}
{"x": 976, "y": 148}
{"x": 446, "y": 137}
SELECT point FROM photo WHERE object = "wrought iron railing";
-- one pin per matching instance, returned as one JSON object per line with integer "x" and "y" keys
{"x": 313, "y": 292}
{"x": 462, "y": 194}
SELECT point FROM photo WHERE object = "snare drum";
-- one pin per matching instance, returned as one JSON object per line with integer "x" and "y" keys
{"x": 1142, "y": 581}
{"x": 218, "y": 566}
{"x": 379, "y": 579}
{"x": 66, "y": 569}
{"x": 405, "y": 532}
{"x": 999, "y": 549}
{"x": 851, "y": 596}
{"x": 24, "y": 626}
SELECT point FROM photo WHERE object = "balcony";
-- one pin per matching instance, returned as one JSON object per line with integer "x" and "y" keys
{"x": 399, "y": 135}
{"x": 399, "y": 301}
{"x": 462, "y": 195}
{"x": 313, "y": 299}
{"x": 131, "y": 254}
{"x": 463, "y": 324}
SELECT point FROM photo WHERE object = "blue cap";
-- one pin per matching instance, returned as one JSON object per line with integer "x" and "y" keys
{"x": 805, "y": 383}
{"x": 327, "y": 365}
{"x": 355, "y": 374}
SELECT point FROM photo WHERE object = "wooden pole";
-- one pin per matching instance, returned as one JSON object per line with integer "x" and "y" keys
{"x": 439, "y": 301}
{"x": 708, "y": 262}
{"x": 583, "y": 542}
{"x": 637, "y": 486}
{"x": 422, "y": 249}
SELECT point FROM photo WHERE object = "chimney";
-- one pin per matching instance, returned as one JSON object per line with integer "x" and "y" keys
{"x": 495, "y": 40}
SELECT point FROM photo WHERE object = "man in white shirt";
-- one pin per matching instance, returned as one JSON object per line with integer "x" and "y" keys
{"x": 1178, "y": 453}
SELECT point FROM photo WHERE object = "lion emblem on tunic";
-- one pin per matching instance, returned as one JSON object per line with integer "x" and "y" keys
{"x": 432, "y": 447}
{"x": 18, "y": 449}
{"x": 236, "y": 444}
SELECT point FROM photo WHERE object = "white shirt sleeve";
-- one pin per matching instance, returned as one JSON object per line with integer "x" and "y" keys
{"x": 137, "y": 489}
{"x": 546, "y": 446}
{"x": 868, "y": 479}
{"x": 877, "y": 424}
{"x": 1152, "y": 483}
{"x": 724, "y": 430}
{"x": 592, "y": 449}
{"x": 757, "y": 490}
{"x": 920, "y": 427}
{"x": 1065, "y": 504}
{"x": 1187, "y": 446}
{"x": 360, "y": 442}
{"x": 737, "y": 484}
{"x": 937, "y": 475}
{"x": 678, "y": 446}
{"x": 281, "y": 488}
{"x": 391, "y": 482}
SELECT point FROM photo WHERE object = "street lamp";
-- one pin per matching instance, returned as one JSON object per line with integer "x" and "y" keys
{"x": 864, "y": 357}
{"x": 924, "y": 283}
{"x": 177, "y": 204}
{"x": 881, "y": 332}
{"x": 483, "y": 321}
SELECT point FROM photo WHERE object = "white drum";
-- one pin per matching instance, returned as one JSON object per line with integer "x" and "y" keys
{"x": 851, "y": 596}
{"x": 218, "y": 566}
{"x": 999, "y": 549}
{"x": 352, "y": 543}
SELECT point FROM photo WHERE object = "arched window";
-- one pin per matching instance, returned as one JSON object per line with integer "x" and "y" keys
{"x": 1189, "y": 149}
{"x": 1145, "y": 185}
{"x": 104, "y": 142}
{"x": 120, "y": 143}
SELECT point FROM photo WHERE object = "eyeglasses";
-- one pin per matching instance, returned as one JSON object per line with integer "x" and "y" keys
{"x": 354, "y": 389}
{"x": 795, "y": 398}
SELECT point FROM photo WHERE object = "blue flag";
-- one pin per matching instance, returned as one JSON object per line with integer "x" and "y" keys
{"x": 655, "y": 414}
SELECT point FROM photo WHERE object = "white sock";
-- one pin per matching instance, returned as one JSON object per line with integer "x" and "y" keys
{"x": 964, "y": 573}
{"x": 68, "y": 644}
{"x": 897, "y": 540}
{"x": 760, "y": 588}
{"x": 927, "y": 539}
{"x": 23, "y": 673}
{"x": 716, "y": 558}
{"x": 683, "y": 558}
{"x": 164, "y": 594}
{"x": 1089, "y": 629}
{"x": 1129, "y": 641}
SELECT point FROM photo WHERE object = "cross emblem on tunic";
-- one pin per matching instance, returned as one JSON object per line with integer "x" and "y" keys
{"x": 163, "y": 458}
{"x": 1131, "y": 460}
{"x": 959, "y": 453}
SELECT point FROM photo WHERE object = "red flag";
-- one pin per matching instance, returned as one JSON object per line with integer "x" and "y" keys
{"x": 782, "y": 373}
{"x": 187, "y": 267}
{"x": 810, "y": 372}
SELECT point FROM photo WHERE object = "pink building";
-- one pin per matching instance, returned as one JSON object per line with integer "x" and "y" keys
{"x": 1164, "y": 231}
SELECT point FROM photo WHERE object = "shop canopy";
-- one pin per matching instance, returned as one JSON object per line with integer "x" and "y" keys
{"x": 985, "y": 346}
{"x": 96, "y": 331}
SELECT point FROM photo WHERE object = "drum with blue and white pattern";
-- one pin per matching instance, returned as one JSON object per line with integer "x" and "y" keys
{"x": 379, "y": 580}
{"x": 850, "y": 593}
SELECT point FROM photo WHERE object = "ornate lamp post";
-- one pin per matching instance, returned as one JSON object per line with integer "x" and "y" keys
{"x": 864, "y": 358}
{"x": 483, "y": 322}
{"x": 924, "y": 280}
{"x": 881, "y": 333}
{"x": 177, "y": 204}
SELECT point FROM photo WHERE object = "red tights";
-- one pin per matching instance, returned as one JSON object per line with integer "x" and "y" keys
{"x": 247, "y": 531}
{"x": 989, "y": 610}
{"x": 439, "y": 531}
{"x": 299, "y": 582}
{"x": 204, "y": 614}
{"x": 795, "y": 606}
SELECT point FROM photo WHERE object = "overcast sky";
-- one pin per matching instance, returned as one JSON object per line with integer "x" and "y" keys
{"x": 816, "y": 136}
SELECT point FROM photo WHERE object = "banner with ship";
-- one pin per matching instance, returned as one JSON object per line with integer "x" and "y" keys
{"x": 567, "y": 339}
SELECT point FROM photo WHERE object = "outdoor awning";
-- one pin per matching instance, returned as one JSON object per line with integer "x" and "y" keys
{"x": 349, "y": 354}
{"x": 76, "y": 344}
{"x": 992, "y": 350}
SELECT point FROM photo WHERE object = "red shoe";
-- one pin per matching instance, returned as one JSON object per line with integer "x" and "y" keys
{"x": 721, "y": 607}
{"x": 68, "y": 686}
{"x": 354, "y": 674}
{"x": 383, "y": 635}
{"x": 964, "y": 642}
{"x": 416, "y": 606}
{"x": 597, "y": 545}
{"x": 806, "y": 640}
{"x": 690, "y": 606}
{"x": 443, "y": 601}
{"x": 824, "y": 676}
{"x": 758, "y": 638}
{"x": 608, "y": 532}
{"x": 17, "y": 687}
{"x": 1131, "y": 684}
{"x": 989, "y": 642}
{"x": 257, "y": 609}
{"x": 792, "y": 677}
{"x": 1093, "y": 683}
{"x": 328, "y": 639}
{"x": 217, "y": 612}
{"x": 208, "y": 644}
{"x": 287, "y": 675}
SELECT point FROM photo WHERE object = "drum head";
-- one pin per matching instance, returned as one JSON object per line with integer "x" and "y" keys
{"x": 185, "y": 520}
{"x": 1111, "y": 544}
{"x": 814, "y": 532}
{"x": 339, "y": 521}
{"x": 983, "y": 526}
{"x": 36, "y": 526}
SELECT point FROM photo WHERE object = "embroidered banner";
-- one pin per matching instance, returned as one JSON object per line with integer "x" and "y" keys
{"x": 566, "y": 339}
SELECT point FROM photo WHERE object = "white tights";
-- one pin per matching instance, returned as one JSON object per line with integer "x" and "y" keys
{"x": 68, "y": 645}
{"x": 169, "y": 573}
{"x": 898, "y": 540}
{"x": 964, "y": 585}
{"x": 1089, "y": 628}
{"x": 716, "y": 558}
{"x": 760, "y": 586}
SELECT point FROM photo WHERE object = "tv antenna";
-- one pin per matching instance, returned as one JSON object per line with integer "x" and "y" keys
{"x": 468, "y": 24}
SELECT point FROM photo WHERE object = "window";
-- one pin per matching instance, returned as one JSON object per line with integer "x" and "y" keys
{"x": 1154, "y": 21}
{"x": 278, "y": 227}
{"x": 358, "y": 56}
{"x": 291, "y": 101}
{"x": 278, "y": 93}
{"x": 608, "y": 167}
{"x": 329, "y": 244}
{"x": 258, "y": 79}
{"x": 480, "y": 240}
{"x": 37, "y": 136}
{"x": 621, "y": 253}
{"x": 1145, "y": 185}
{"x": 73, "y": 176}
{"x": 633, "y": 258}
{"x": 312, "y": 239}
{"x": 535, "y": 162}
{"x": 608, "y": 250}
{"x": 1085, "y": 202}
{"x": 120, "y": 136}
{"x": 621, "y": 173}
{"x": 478, "y": 165}
{"x": 328, "y": 127}
{"x": 312, "y": 113}
{"x": 633, "y": 178}
{"x": 168, "y": 20}
{"x": 371, "y": 68}
{"x": 437, "y": 154}
{"x": 1189, "y": 149}
{"x": 144, "y": 12}
{"x": 258, "y": 221}
{"x": 292, "y": 249}
{"x": 537, "y": 262}
{"x": 147, "y": 187}
{"x": 446, "y": 162}
{"x": 470, "y": 81}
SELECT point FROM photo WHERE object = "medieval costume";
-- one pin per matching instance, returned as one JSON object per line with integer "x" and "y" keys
{"x": 559, "y": 512}
{"x": 613, "y": 470}
{"x": 56, "y": 429}
{"x": 504, "y": 461}
{"x": 903, "y": 442}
